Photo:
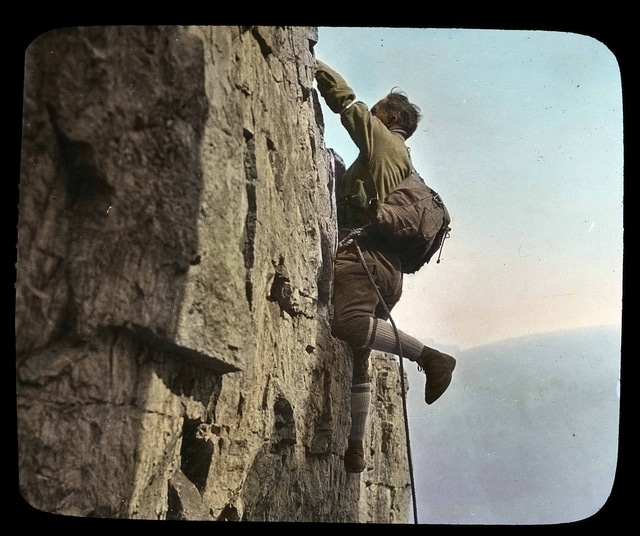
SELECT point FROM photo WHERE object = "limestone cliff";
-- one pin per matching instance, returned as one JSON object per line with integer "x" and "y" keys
{"x": 173, "y": 294}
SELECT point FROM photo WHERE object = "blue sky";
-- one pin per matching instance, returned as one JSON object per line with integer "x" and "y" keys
{"x": 522, "y": 136}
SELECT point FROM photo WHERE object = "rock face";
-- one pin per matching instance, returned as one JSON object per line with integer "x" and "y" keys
{"x": 173, "y": 297}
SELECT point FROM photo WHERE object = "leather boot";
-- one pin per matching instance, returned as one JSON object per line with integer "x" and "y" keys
{"x": 354, "y": 457}
{"x": 438, "y": 368}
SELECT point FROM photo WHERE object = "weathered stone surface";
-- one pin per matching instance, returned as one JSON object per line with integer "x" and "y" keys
{"x": 386, "y": 481}
{"x": 173, "y": 293}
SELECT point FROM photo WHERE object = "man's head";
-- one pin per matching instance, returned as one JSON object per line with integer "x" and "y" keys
{"x": 395, "y": 111}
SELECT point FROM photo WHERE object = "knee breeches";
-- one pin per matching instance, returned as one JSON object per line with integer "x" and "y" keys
{"x": 355, "y": 300}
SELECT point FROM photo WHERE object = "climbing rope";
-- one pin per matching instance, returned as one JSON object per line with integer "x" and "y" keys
{"x": 351, "y": 238}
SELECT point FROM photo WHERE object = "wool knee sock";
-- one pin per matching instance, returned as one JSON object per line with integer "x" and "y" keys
{"x": 382, "y": 337}
{"x": 360, "y": 401}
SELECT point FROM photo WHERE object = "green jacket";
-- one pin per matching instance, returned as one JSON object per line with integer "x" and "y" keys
{"x": 383, "y": 160}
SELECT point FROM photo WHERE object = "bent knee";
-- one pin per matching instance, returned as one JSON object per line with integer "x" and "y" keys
{"x": 353, "y": 331}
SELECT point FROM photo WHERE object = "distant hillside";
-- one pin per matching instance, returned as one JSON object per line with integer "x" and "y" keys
{"x": 527, "y": 433}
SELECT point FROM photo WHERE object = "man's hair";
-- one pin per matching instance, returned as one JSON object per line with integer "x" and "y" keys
{"x": 408, "y": 114}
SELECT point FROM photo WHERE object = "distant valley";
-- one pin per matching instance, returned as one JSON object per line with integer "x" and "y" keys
{"x": 526, "y": 434}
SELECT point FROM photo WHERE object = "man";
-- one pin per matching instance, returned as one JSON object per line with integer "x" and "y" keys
{"x": 359, "y": 316}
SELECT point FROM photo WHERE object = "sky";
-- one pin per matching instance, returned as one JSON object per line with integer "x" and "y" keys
{"x": 522, "y": 137}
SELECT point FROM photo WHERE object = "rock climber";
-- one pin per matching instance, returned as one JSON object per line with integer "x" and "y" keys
{"x": 359, "y": 317}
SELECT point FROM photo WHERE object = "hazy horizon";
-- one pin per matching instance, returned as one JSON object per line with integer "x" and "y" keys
{"x": 617, "y": 327}
{"x": 526, "y": 434}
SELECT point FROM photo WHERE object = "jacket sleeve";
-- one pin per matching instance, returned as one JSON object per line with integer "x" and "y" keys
{"x": 354, "y": 115}
{"x": 333, "y": 88}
